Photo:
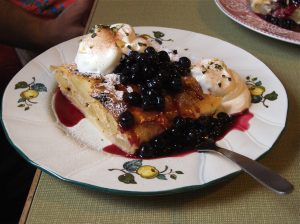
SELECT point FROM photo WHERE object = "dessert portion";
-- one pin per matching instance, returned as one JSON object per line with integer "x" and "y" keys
{"x": 283, "y": 13}
{"x": 216, "y": 79}
{"x": 144, "y": 102}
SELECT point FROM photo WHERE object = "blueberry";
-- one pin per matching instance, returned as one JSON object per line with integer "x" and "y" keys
{"x": 163, "y": 75}
{"x": 176, "y": 147}
{"x": 148, "y": 72}
{"x": 133, "y": 55}
{"x": 205, "y": 142}
{"x": 179, "y": 122}
{"x": 152, "y": 100}
{"x": 163, "y": 56}
{"x": 135, "y": 68}
{"x": 141, "y": 58}
{"x": 158, "y": 143}
{"x": 153, "y": 59}
{"x": 190, "y": 123}
{"x": 124, "y": 60}
{"x": 213, "y": 122}
{"x": 166, "y": 66}
{"x": 133, "y": 98}
{"x": 185, "y": 62}
{"x": 126, "y": 70}
{"x": 148, "y": 104}
{"x": 134, "y": 78}
{"x": 175, "y": 85}
{"x": 204, "y": 121}
{"x": 124, "y": 79}
{"x": 159, "y": 103}
{"x": 146, "y": 92}
{"x": 127, "y": 61}
{"x": 217, "y": 131}
{"x": 154, "y": 83}
{"x": 190, "y": 137}
{"x": 223, "y": 117}
{"x": 150, "y": 50}
{"x": 146, "y": 151}
{"x": 175, "y": 133}
{"x": 118, "y": 69}
{"x": 126, "y": 120}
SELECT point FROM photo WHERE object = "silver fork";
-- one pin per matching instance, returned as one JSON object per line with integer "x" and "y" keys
{"x": 262, "y": 174}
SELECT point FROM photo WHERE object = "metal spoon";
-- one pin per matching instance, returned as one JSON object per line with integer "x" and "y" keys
{"x": 262, "y": 174}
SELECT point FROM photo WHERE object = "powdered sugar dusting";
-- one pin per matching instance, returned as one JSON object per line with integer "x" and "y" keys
{"x": 129, "y": 89}
{"x": 84, "y": 132}
{"x": 72, "y": 68}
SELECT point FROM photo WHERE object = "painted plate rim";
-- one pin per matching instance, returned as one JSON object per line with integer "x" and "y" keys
{"x": 129, "y": 192}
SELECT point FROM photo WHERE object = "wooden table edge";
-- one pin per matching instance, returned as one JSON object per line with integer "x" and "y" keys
{"x": 30, "y": 196}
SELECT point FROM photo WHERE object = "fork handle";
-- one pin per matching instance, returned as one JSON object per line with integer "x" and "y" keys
{"x": 262, "y": 174}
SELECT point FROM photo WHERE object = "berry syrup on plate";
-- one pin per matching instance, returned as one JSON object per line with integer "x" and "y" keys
{"x": 187, "y": 134}
{"x": 174, "y": 142}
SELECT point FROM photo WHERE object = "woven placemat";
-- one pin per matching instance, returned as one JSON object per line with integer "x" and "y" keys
{"x": 239, "y": 200}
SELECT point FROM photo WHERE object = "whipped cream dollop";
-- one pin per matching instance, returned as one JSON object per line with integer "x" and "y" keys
{"x": 217, "y": 79}
{"x": 97, "y": 52}
{"x": 100, "y": 51}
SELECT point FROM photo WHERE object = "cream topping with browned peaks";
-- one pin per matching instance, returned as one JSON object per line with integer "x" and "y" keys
{"x": 217, "y": 79}
{"x": 100, "y": 51}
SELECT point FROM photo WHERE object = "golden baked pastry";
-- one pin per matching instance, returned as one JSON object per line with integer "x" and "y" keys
{"x": 100, "y": 99}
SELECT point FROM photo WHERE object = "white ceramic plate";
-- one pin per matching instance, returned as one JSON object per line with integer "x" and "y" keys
{"x": 240, "y": 12}
{"x": 33, "y": 130}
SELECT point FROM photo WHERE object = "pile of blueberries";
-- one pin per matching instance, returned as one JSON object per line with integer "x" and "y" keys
{"x": 157, "y": 76}
{"x": 155, "y": 73}
{"x": 186, "y": 134}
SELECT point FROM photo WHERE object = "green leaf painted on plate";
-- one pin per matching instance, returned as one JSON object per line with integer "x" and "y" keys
{"x": 127, "y": 178}
{"x": 21, "y": 100}
{"x": 271, "y": 96}
{"x": 179, "y": 172}
{"x": 158, "y": 41}
{"x": 173, "y": 176}
{"x": 158, "y": 34}
{"x": 161, "y": 177}
{"x": 40, "y": 87}
{"x": 21, "y": 85}
{"x": 132, "y": 165}
{"x": 256, "y": 99}
{"x": 21, "y": 105}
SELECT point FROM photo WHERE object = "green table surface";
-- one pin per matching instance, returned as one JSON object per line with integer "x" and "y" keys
{"x": 239, "y": 200}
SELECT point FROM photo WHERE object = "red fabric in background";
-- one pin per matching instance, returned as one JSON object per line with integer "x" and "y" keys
{"x": 47, "y": 8}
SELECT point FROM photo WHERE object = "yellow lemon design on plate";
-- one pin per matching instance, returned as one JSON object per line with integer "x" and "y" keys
{"x": 29, "y": 94}
{"x": 147, "y": 172}
{"x": 257, "y": 90}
